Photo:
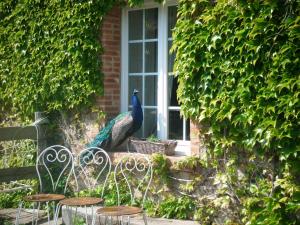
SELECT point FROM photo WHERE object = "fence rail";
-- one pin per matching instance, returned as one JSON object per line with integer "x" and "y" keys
{"x": 36, "y": 132}
{"x": 17, "y": 173}
{"x": 18, "y": 133}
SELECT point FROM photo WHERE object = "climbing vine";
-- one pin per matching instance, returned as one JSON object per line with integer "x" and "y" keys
{"x": 239, "y": 71}
{"x": 238, "y": 68}
{"x": 50, "y": 54}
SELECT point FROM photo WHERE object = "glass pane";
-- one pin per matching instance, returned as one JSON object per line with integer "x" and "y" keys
{"x": 135, "y": 58}
{"x": 171, "y": 57}
{"x": 172, "y": 17}
{"x": 187, "y": 127}
{"x": 150, "y": 122}
{"x": 135, "y": 82}
{"x": 150, "y": 57}
{"x": 175, "y": 125}
{"x": 135, "y": 23}
{"x": 151, "y": 23}
{"x": 150, "y": 90}
{"x": 172, "y": 88}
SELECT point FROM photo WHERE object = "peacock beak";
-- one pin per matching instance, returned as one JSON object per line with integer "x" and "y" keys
{"x": 135, "y": 91}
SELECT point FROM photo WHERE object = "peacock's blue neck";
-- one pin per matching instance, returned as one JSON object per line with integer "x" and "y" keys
{"x": 137, "y": 113}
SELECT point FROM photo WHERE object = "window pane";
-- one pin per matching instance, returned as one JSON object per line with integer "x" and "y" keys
{"x": 135, "y": 58}
{"x": 187, "y": 127}
{"x": 151, "y": 23}
{"x": 172, "y": 17}
{"x": 150, "y": 120}
{"x": 150, "y": 57}
{"x": 135, "y": 21}
{"x": 150, "y": 90}
{"x": 135, "y": 82}
{"x": 172, "y": 88}
{"x": 171, "y": 57}
{"x": 175, "y": 125}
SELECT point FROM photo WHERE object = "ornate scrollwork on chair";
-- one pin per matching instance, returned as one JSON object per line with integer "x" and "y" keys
{"x": 54, "y": 166}
{"x": 93, "y": 168}
{"x": 134, "y": 172}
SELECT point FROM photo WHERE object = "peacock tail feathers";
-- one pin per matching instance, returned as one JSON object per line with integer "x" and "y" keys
{"x": 105, "y": 132}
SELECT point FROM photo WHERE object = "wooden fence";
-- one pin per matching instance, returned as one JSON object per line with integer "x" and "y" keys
{"x": 36, "y": 132}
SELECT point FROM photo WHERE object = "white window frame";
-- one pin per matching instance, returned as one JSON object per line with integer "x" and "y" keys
{"x": 183, "y": 147}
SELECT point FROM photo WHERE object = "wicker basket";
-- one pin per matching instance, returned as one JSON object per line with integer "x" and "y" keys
{"x": 149, "y": 147}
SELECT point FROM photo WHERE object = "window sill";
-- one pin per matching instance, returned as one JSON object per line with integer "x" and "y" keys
{"x": 183, "y": 148}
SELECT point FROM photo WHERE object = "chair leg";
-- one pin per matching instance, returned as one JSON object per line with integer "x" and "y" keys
{"x": 86, "y": 215}
{"x": 145, "y": 218}
{"x": 75, "y": 216}
{"x": 48, "y": 212}
{"x": 119, "y": 220}
{"x": 93, "y": 216}
{"x": 18, "y": 213}
{"x": 69, "y": 212}
{"x": 33, "y": 214}
{"x": 56, "y": 214}
{"x": 54, "y": 209}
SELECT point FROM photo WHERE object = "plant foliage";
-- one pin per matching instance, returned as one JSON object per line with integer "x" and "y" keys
{"x": 50, "y": 53}
{"x": 238, "y": 68}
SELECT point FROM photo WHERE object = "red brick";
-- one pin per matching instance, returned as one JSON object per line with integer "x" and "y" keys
{"x": 111, "y": 41}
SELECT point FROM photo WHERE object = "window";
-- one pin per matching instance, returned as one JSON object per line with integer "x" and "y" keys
{"x": 147, "y": 66}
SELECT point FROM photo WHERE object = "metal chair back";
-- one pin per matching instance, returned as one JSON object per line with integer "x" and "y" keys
{"x": 94, "y": 167}
{"x": 135, "y": 170}
{"x": 55, "y": 164}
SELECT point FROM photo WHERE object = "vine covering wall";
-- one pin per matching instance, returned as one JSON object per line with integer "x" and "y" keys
{"x": 50, "y": 54}
{"x": 238, "y": 71}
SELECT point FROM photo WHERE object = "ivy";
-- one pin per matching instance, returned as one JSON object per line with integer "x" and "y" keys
{"x": 50, "y": 54}
{"x": 237, "y": 64}
{"x": 239, "y": 69}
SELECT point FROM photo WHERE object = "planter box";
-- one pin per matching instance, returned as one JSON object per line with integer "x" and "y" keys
{"x": 148, "y": 147}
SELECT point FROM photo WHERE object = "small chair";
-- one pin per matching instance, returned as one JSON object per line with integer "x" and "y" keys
{"x": 93, "y": 168}
{"x": 54, "y": 166}
{"x": 139, "y": 168}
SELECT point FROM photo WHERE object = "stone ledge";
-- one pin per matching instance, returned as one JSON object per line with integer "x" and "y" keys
{"x": 115, "y": 155}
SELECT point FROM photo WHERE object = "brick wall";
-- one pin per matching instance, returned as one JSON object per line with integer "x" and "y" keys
{"x": 194, "y": 136}
{"x": 110, "y": 36}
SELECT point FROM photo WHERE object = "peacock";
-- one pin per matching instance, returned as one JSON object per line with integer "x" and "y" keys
{"x": 120, "y": 128}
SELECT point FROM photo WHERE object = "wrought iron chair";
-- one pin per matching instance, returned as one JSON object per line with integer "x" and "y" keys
{"x": 132, "y": 172}
{"x": 93, "y": 169}
{"x": 54, "y": 166}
